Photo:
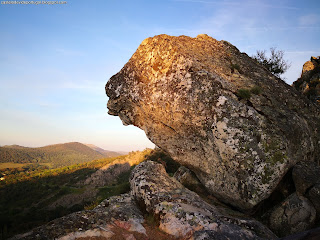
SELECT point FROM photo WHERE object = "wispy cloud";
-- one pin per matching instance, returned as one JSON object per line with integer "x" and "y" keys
{"x": 208, "y": 2}
{"x": 252, "y": 4}
{"x": 310, "y": 20}
{"x": 309, "y": 52}
{"x": 47, "y": 105}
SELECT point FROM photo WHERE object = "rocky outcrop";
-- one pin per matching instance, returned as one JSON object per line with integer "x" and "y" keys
{"x": 309, "y": 81}
{"x": 217, "y": 112}
{"x": 182, "y": 213}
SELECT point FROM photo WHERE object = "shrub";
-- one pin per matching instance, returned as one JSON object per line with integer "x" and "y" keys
{"x": 244, "y": 93}
{"x": 256, "y": 90}
{"x": 235, "y": 66}
{"x": 275, "y": 63}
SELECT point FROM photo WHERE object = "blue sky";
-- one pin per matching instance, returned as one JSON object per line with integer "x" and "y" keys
{"x": 56, "y": 59}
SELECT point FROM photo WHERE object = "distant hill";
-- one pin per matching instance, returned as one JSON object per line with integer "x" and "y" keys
{"x": 14, "y": 146}
{"x": 55, "y": 155}
{"x": 106, "y": 153}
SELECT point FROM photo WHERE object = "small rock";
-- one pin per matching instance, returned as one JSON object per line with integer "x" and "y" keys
{"x": 293, "y": 215}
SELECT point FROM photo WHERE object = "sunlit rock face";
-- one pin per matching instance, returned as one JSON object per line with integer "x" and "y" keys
{"x": 309, "y": 82}
{"x": 218, "y": 112}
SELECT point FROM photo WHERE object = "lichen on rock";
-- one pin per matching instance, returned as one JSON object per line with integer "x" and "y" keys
{"x": 184, "y": 93}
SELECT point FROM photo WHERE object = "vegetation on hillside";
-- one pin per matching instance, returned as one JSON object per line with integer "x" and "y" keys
{"x": 29, "y": 194}
{"x": 54, "y": 156}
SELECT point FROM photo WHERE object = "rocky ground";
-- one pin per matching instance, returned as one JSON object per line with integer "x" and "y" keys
{"x": 160, "y": 207}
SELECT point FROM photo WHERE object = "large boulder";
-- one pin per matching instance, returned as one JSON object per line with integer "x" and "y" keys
{"x": 218, "y": 112}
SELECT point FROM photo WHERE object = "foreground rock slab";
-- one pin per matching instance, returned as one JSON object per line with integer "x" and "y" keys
{"x": 182, "y": 213}
{"x": 217, "y": 112}
{"x": 117, "y": 215}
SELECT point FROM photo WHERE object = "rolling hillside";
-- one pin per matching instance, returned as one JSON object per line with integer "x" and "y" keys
{"x": 57, "y": 155}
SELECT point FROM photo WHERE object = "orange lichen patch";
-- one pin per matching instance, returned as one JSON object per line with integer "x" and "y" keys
{"x": 153, "y": 233}
{"x": 123, "y": 224}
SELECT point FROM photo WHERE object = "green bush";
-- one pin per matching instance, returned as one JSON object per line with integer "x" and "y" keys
{"x": 244, "y": 93}
{"x": 256, "y": 90}
{"x": 275, "y": 63}
{"x": 235, "y": 66}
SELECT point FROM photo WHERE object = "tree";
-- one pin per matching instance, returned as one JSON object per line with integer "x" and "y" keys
{"x": 275, "y": 63}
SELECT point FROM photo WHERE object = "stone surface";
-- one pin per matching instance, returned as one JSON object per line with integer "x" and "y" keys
{"x": 294, "y": 215}
{"x": 182, "y": 213}
{"x": 313, "y": 234}
{"x": 218, "y": 112}
{"x": 305, "y": 175}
